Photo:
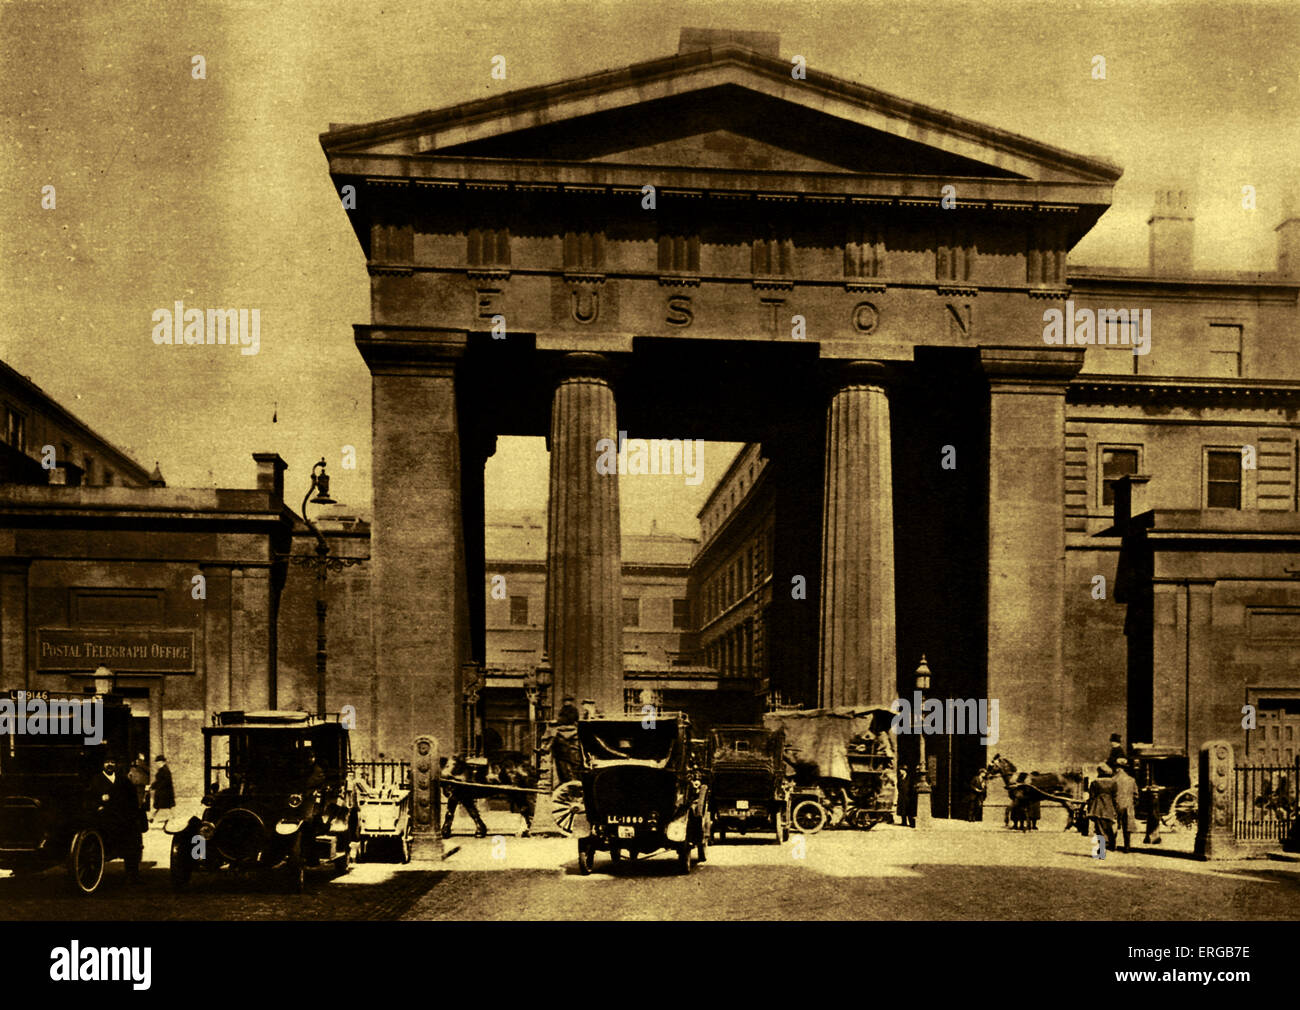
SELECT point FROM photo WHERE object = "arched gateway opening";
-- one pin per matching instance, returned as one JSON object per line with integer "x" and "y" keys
{"x": 704, "y": 247}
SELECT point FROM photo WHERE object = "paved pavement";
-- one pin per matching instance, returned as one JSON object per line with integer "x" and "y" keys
{"x": 955, "y": 871}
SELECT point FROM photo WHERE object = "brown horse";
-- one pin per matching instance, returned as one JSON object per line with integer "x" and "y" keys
{"x": 1029, "y": 789}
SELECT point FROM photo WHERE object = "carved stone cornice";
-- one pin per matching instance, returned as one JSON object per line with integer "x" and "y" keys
{"x": 679, "y": 281}
{"x": 958, "y": 290}
{"x": 410, "y": 350}
{"x": 774, "y": 283}
{"x": 1030, "y": 369}
{"x": 865, "y": 287}
{"x": 1115, "y": 389}
{"x": 488, "y": 273}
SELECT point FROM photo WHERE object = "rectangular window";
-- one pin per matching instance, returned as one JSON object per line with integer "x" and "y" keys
{"x": 1223, "y": 479}
{"x": 16, "y": 429}
{"x": 1225, "y": 349}
{"x": 108, "y": 478}
{"x": 88, "y": 465}
{"x": 681, "y": 614}
{"x": 519, "y": 610}
{"x": 1115, "y": 463}
{"x": 631, "y": 611}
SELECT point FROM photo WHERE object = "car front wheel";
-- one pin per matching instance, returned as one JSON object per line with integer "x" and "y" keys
{"x": 86, "y": 859}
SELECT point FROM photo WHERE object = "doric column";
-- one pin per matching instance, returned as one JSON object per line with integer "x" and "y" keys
{"x": 857, "y": 649}
{"x": 584, "y": 594}
{"x": 1026, "y": 569}
{"x": 419, "y": 591}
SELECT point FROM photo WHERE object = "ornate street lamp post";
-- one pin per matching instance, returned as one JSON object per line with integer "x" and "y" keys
{"x": 922, "y": 787}
{"x": 323, "y": 562}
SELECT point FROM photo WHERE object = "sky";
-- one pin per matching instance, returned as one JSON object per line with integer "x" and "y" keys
{"x": 215, "y": 191}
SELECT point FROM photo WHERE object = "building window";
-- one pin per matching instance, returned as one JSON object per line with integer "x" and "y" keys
{"x": 519, "y": 610}
{"x": 1223, "y": 478}
{"x": 1115, "y": 463}
{"x": 16, "y": 429}
{"x": 681, "y": 614}
{"x": 1225, "y": 350}
{"x": 108, "y": 478}
{"x": 631, "y": 611}
{"x": 88, "y": 465}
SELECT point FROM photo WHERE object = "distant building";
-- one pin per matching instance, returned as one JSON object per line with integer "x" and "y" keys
{"x": 43, "y": 442}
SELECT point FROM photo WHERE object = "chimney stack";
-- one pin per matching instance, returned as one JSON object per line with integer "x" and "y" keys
{"x": 1170, "y": 234}
{"x": 270, "y": 473}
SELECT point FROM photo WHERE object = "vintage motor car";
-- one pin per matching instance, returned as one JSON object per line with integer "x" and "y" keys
{"x": 278, "y": 798}
{"x": 748, "y": 789}
{"x": 46, "y": 815}
{"x": 642, "y": 794}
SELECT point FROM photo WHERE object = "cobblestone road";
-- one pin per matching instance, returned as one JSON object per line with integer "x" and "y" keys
{"x": 965, "y": 872}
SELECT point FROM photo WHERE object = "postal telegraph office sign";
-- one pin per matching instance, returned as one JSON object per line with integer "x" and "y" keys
{"x": 120, "y": 649}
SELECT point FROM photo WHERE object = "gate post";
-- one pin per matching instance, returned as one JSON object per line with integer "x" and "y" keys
{"x": 426, "y": 842}
{"x": 1214, "y": 801}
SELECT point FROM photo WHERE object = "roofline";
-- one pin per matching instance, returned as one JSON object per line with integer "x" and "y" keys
{"x": 637, "y": 74}
{"x": 1269, "y": 279}
{"x": 7, "y": 372}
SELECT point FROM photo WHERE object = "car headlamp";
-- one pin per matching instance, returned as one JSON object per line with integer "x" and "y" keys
{"x": 207, "y": 829}
{"x": 295, "y": 801}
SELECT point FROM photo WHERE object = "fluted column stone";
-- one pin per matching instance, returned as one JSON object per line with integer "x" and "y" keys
{"x": 857, "y": 647}
{"x": 584, "y": 598}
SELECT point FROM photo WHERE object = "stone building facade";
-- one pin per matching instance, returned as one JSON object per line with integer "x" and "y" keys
{"x": 706, "y": 245}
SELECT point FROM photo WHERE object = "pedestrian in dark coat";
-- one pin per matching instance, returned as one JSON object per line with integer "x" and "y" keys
{"x": 112, "y": 799}
{"x": 164, "y": 795}
{"x": 979, "y": 791}
{"x": 907, "y": 796}
{"x": 139, "y": 777}
{"x": 1101, "y": 805}
{"x": 1126, "y": 791}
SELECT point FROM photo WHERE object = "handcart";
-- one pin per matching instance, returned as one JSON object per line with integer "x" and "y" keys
{"x": 385, "y": 817}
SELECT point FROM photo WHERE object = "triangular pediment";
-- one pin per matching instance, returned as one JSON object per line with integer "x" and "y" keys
{"x": 721, "y": 108}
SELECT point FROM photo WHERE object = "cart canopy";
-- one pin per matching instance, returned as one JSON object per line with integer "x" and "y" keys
{"x": 825, "y": 736}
